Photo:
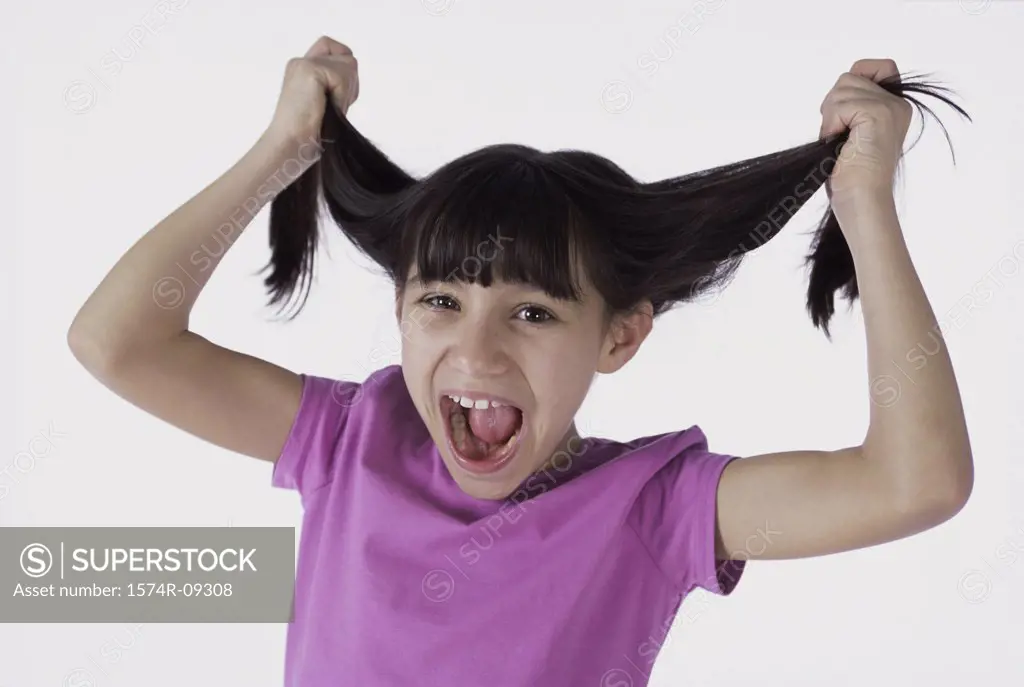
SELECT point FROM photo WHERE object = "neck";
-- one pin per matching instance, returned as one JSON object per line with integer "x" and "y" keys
{"x": 566, "y": 453}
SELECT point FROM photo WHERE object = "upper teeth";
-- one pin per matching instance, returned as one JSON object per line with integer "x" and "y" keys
{"x": 481, "y": 403}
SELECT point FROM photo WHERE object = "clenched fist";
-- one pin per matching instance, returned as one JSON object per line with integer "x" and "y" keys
{"x": 327, "y": 70}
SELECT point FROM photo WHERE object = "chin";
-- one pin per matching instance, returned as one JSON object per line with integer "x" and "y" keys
{"x": 487, "y": 491}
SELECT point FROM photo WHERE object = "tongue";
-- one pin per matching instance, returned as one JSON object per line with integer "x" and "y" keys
{"x": 493, "y": 425}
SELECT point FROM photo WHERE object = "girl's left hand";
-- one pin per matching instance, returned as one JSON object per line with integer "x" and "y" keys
{"x": 878, "y": 123}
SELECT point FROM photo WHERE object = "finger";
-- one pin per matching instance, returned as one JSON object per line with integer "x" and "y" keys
{"x": 831, "y": 124}
{"x": 842, "y": 114}
{"x": 850, "y": 82}
{"x": 342, "y": 88}
{"x": 344, "y": 95}
{"x": 326, "y": 45}
{"x": 318, "y": 49}
{"x": 850, "y": 85}
{"x": 828, "y": 128}
{"x": 337, "y": 48}
{"x": 875, "y": 69}
{"x": 832, "y": 121}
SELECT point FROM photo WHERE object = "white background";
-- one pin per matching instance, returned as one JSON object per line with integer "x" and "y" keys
{"x": 97, "y": 158}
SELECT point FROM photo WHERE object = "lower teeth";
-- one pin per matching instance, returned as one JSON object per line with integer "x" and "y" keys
{"x": 459, "y": 430}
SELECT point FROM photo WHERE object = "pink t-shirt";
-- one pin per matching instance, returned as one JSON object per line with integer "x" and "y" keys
{"x": 404, "y": 579}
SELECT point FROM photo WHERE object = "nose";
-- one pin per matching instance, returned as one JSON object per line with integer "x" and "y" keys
{"x": 479, "y": 350}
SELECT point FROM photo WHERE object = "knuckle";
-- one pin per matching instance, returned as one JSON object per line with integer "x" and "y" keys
{"x": 300, "y": 65}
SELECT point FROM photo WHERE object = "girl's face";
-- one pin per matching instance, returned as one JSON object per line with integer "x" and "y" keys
{"x": 537, "y": 356}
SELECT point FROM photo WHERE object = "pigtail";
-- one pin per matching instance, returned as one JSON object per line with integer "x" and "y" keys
{"x": 830, "y": 261}
{"x": 357, "y": 183}
{"x": 689, "y": 233}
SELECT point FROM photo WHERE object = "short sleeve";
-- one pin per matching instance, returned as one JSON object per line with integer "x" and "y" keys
{"x": 675, "y": 517}
{"x": 307, "y": 459}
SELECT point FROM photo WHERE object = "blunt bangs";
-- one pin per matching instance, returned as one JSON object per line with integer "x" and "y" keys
{"x": 496, "y": 214}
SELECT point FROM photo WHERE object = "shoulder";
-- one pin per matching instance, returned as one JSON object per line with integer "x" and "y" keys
{"x": 338, "y": 417}
{"x": 672, "y": 466}
{"x": 675, "y": 509}
{"x": 646, "y": 455}
{"x": 384, "y": 385}
{"x": 668, "y": 444}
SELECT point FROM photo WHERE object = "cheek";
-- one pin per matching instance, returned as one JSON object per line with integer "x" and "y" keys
{"x": 415, "y": 328}
{"x": 573, "y": 350}
{"x": 562, "y": 370}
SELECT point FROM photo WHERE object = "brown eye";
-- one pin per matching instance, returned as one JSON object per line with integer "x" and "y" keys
{"x": 439, "y": 302}
{"x": 535, "y": 315}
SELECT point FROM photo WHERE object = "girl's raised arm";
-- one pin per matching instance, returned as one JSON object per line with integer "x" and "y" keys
{"x": 129, "y": 338}
{"x": 915, "y": 468}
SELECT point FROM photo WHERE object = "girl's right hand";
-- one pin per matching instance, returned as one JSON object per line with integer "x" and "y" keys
{"x": 327, "y": 69}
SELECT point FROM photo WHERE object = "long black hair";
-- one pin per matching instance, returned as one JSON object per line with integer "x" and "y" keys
{"x": 515, "y": 213}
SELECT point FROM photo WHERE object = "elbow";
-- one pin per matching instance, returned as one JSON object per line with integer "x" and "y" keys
{"x": 963, "y": 483}
{"x": 928, "y": 486}
{"x": 88, "y": 348}
{"x": 951, "y": 501}
{"x": 960, "y": 483}
{"x": 934, "y": 500}
{"x": 82, "y": 346}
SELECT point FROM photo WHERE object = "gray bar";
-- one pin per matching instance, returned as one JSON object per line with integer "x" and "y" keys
{"x": 147, "y": 574}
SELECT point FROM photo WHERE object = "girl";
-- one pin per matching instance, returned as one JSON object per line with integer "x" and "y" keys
{"x": 457, "y": 528}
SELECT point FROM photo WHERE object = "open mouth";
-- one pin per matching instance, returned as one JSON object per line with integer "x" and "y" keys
{"x": 483, "y": 433}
